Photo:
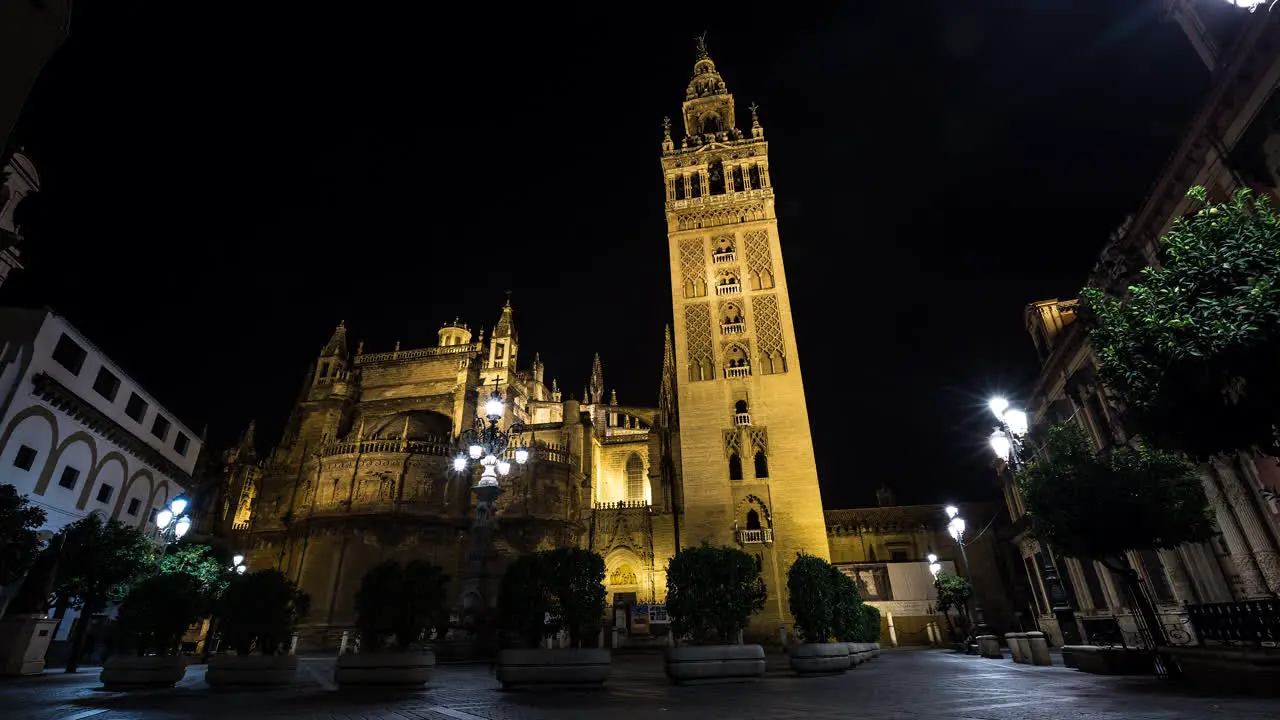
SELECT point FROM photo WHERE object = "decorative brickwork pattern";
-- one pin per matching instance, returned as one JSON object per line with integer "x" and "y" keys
{"x": 768, "y": 327}
{"x": 693, "y": 267}
{"x": 731, "y": 443}
{"x": 759, "y": 440}
{"x": 697, "y": 326}
{"x": 759, "y": 261}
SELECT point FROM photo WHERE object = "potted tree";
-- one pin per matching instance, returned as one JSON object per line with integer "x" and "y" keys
{"x": 847, "y": 617}
{"x": 395, "y": 607}
{"x": 25, "y": 578}
{"x": 259, "y": 612}
{"x": 543, "y": 594}
{"x": 871, "y": 629}
{"x": 814, "y": 593}
{"x": 152, "y": 620}
{"x": 712, "y": 592}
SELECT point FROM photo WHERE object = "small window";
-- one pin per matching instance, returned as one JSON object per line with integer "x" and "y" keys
{"x": 107, "y": 384}
{"x": 134, "y": 504}
{"x": 735, "y": 467}
{"x": 498, "y": 350}
{"x": 25, "y": 458}
{"x": 137, "y": 407}
{"x": 181, "y": 443}
{"x": 160, "y": 426}
{"x": 898, "y": 555}
{"x": 69, "y": 354}
{"x": 151, "y": 517}
{"x": 104, "y": 493}
{"x": 69, "y": 477}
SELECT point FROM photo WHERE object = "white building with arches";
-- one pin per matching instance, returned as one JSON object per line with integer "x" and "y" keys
{"x": 77, "y": 435}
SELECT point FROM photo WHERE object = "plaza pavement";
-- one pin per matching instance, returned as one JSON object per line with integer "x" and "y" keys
{"x": 901, "y": 684}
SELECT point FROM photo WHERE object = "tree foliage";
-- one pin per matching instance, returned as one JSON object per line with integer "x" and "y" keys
{"x": 206, "y": 564}
{"x": 870, "y": 627}
{"x": 260, "y": 610}
{"x": 399, "y": 603}
{"x": 1095, "y": 505}
{"x": 712, "y": 592}
{"x": 19, "y": 536}
{"x": 158, "y": 610}
{"x": 847, "y": 614}
{"x": 814, "y": 591}
{"x": 1192, "y": 349}
{"x": 100, "y": 560}
{"x": 545, "y": 592}
{"x": 953, "y": 592}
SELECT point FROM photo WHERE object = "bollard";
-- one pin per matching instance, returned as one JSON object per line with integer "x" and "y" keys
{"x": 1024, "y": 648}
{"x": 782, "y": 634}
{"x": 615, "y": 639}
{"x": 893, "y": 633}
{"x": 739, "y": 637}
{"x": 1015, "y": 652}
{"x": 342, "y": 647}
{"x": 1039, "y": 648}
{"x": 928, "y": 630}
{"x": 293, "y": 646}
{"x": 989, "y": 647}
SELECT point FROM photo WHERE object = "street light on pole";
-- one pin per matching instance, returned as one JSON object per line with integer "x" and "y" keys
{"x": 955, "y": 528}
{"x": 1006, "y": 442}
{"x": 173, "y": 521}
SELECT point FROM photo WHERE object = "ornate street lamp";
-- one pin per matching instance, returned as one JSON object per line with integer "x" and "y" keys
{"x": 173, "y": 522}
{"x": 488, "y": 445}
{"x": 1006, "y": 442}
{"x": 237, "y": 564}
{"x": 934, "y": 566}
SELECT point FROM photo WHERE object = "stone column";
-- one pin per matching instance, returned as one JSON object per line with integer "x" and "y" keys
{"x": 1177, "y": 572}
{"x": 1251, "y": 582}
{"x": 1246, "y": 511}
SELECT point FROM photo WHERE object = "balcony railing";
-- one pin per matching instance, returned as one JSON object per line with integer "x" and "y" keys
{"x": 622, "y": 504}
{"x": 733, "y": 328}
{"x": 724, "y": 257}
{"x": 240, "y": 525}
{"x": 419, "y": 447}
{"x": 415, "y": 354}
{"x": 755, "y": 537}
{"x": 742, "y": 418}
{"x": 1251, "y": 622}
{"x": 729, "y": 289}
{"x": 738, "y": 372}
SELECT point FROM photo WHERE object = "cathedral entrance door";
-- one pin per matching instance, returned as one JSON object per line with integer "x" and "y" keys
{"x": 622, "y": 608}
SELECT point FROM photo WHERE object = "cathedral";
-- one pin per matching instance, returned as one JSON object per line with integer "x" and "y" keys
{"x": 364, "y": 473}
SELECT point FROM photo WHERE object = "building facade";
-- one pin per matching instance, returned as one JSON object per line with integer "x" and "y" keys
{"x": 18, "y": 179}
{"x": 1232, "y": 142}
{"x": 363, "y": 471}
{"x": 77, "y": 435}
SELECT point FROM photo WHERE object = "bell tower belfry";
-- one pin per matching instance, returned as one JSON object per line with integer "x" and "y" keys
{"x": 746, "y": 454}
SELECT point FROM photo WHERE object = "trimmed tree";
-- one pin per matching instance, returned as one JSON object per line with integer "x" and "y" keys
{"x": 19, "y": 536}
{"x": 98, "y": 563}
{"x": 846, "y": 609}
{"x": 1097, "y": 505}
{"x": 397, "y": 604}
{"x": 1192, "y": 348}
{"x": 953, "y": 592}
{"x": 813, "y": 595}
{"x": 575, "y": 581}
{"x": 157, "y": 612}
{"x": 260, "y": 610}
{"x": 712, "y": 592}
{"x": 524, "y": 601}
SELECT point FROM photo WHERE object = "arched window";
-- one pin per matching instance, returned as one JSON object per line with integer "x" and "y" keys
{"x": 635, "y": 478}
{"x": 715, "y": 178}
{"x": 753, "y": 519}
{"x": 754, "y": 176}
{"x": 680, "y": 188}
{"x": 737, "y": 178}
{"x": 740, "y": 406}
{"x": 735, "y": 467}
{"x": 695, "y": 185}
{"x": 712, "y": 124}
{"x": 762, "y": 465}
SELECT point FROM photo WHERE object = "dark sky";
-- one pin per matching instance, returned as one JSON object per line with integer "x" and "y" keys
{"x": 221, "y": 187}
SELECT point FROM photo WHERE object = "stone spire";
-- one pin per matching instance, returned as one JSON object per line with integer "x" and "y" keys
{"x": 708, "y": 105}
{"x": 337, "y": 345}
{"x": 597, "y": 381}
{"x": 505, "y": 326}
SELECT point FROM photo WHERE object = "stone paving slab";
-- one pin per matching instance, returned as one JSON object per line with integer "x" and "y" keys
{"x": 901, "y": 684}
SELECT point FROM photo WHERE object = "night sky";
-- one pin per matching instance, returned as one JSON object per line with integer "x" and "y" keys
{"x": 222, "y": 187}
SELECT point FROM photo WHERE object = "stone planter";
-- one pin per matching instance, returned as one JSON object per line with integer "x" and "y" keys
{"x": 711, "y": 663}
{"x": 568, "y": 666}
{"x": 859, "y": 653}
{"x": 819, "y": 658}
{"x": 875, "y": 650}
{"x": 1111, "y": 661}
{"x": 384, "y": 669}
{"x": 24, "y": 640}
{"x": 129, "y": 672}
{"x": 250, "y": 671}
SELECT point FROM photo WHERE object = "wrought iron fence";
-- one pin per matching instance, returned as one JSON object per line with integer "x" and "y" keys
{"x": 1249, "y": 622}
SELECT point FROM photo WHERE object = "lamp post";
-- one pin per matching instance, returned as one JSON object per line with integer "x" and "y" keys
{"x": 1006, "y": 442}
{"x": 955, "y": 527}
{"x": 488, "y": 445}
{"x": 934, "y": 566}
{"x": 173, "y": 521}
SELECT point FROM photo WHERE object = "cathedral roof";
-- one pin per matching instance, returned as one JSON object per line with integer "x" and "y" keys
{"x": 337, "y": 344}
{"x": 407, "y": 425}
{"x": 505, "y": 326}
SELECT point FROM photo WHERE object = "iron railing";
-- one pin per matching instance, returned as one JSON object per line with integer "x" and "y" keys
{"x": 1248, "y": 622}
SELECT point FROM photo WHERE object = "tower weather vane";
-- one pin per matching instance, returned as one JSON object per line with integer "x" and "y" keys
{"x": 702, "y": 45}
